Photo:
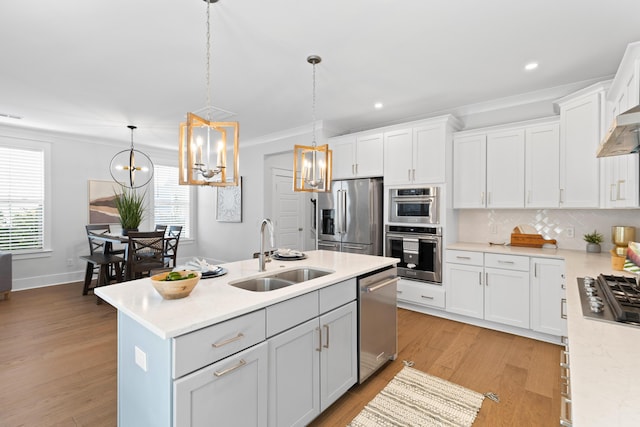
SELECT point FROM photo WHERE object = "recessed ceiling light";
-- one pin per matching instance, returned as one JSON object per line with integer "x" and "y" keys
{"x": 378, "y": 105}
{"x": 531, "y": 66}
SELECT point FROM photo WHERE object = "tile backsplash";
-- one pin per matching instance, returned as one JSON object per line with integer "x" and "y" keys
{"x": 496, "y": 225}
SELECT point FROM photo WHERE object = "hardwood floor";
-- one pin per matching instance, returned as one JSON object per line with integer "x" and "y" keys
{"x": 58, "y": 365}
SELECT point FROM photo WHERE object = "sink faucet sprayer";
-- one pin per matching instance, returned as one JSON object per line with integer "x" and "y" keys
{"x": 261, "y": 256}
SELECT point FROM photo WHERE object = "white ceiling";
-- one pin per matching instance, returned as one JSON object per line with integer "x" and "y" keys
{"x": 92, "y": 67}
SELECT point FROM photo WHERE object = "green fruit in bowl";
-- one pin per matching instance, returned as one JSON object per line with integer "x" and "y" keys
{"x": 176, "y": 275}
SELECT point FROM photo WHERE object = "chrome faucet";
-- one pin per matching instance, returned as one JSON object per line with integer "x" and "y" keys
{"x": 261, "y": 257}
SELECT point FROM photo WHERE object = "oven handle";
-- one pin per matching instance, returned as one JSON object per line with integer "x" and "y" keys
{"x": 431, "y": 237}
{"x": 401, "y": 199}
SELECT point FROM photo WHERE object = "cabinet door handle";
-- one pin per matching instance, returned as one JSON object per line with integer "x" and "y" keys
{"x": 535, "y": 269}
{"x": 413, "y": 174}
{"x": 486, "y": 279}
{"x": 398, "y": 292}
{"x": 327, "y": 329}
{"x": 561, "y": 195}
{"x": 356, "y": 169}
{"x": 229, "y": 341}
{"x": 482, "y": 197}
{"x": 563, "y": 304}
{"x": 319, "y": 339}
{"x": 488, "y": 198}
{"x": 621, "y": 191}
{"x": 408, "y": 174}
{"x": 240, "y": 364}
{"x": 480, "y": 278}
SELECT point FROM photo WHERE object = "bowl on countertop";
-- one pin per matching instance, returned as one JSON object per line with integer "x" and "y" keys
{"x": 175, "y": 289}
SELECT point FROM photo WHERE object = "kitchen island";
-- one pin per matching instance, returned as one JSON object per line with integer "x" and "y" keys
{"x": 173, "y": 352}
{"x": 602, "y": 356}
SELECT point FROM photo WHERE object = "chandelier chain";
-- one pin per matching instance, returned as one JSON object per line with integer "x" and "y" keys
{"x": 208, "y": 74}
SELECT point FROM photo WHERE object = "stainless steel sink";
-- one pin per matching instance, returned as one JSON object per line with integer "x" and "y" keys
{"x": 301, "y": 274}
{"x": 279, "y": 280}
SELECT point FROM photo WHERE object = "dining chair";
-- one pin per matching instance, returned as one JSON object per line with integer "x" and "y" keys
{"x": 171, "y": 245}
{"x": 161, "y": 227}
{"x": 102, "y": 259}
{"x": 146, "y": 253}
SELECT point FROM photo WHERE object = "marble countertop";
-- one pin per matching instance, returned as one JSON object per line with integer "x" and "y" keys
{"x": 604, "y": 357}
{"x": 214, "y": 300}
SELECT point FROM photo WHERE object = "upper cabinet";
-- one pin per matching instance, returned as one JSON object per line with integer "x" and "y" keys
{"x": 621, "y": 173}
{"x": 417, "y": 154}
{"x": 357, "y": 155}
{"x": 507, "y": 166}
{"x": 581, "y": 115}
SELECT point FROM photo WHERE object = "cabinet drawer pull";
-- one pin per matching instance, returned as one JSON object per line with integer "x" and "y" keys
{"x": 505, "y": 262}
{"x": 326, "y": 327}
{"x": 426, "y": 297}
{"x": 463, "y": 257}
{"x": 240, "y": 364}
{"x": 229, "y": 341}
{"x": 398, "y": 292}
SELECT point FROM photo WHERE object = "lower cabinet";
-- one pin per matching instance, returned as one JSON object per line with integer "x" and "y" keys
{"x": 230, "y": 392}
{"x": 514, "y": 290}
{"x": 548, "y": 301}
{"x": 311, "y": 366}
{"x": 421, "y": 293}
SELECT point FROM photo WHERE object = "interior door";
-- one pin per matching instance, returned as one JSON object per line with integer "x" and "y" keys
{"x": 288, "y": 212}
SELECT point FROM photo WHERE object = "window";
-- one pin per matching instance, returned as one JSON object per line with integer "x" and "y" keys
{"x": 172, "y": 202}
{"x": 22, "y": 199}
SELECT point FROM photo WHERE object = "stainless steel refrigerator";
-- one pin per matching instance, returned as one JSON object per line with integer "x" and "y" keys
{"x": 350, "y": 217}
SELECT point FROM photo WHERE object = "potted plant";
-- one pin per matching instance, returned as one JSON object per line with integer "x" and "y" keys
{"x": 593, "y": 241}
{"x": 130, "y": 205}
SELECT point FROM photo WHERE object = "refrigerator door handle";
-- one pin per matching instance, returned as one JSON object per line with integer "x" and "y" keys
{"x": 338, "y": 212}
{"x": 344, "y": 212}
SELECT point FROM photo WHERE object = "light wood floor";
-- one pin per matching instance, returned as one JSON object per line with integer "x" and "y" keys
{"x": 58, "y": 365}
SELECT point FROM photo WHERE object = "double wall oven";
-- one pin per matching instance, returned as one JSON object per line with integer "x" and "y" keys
{"x": 414, "y": 235}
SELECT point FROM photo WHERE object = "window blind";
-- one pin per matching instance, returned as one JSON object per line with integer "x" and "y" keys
{"x": 171, "y": 201}
{"x": 21, "y": 199}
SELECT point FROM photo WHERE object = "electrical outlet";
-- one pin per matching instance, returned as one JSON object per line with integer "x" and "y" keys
{"x": 141, "y": 358}
{"x": 571, "y": 232}
{"x": 493, "y": 229}
{"x": 69, "y": 262}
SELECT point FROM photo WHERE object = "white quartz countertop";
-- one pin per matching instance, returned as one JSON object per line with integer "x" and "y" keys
{"x": 604, "y": 357}
{"x": 214, "y": 300}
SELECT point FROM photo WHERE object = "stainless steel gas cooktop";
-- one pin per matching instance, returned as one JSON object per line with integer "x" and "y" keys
{"x": 610, "y": 298}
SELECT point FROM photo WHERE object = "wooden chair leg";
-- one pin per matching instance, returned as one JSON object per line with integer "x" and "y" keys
{"x": 88, "y": 275}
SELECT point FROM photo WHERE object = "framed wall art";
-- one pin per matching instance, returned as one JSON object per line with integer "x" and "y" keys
{"x": 229, "y": 203}
{"x": 102, "y": 204}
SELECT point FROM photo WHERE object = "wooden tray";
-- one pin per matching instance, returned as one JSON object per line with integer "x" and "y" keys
{"x": 530, "y": 240}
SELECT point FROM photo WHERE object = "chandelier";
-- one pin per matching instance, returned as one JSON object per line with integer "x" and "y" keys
{"x": 204, "y": 143}
{"x": 312, "y": 164}
{"x": 125, "y": 166}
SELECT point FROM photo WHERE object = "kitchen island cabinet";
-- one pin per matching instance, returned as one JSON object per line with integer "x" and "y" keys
{"x": 176, "y": 358}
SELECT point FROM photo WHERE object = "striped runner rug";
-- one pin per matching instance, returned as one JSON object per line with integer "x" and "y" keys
{"x": 414, "y": 398}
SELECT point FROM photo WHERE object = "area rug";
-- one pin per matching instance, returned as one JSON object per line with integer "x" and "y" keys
{"x": 414, "y": 398}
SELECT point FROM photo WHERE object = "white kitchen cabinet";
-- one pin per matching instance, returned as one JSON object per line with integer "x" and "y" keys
{"x": 505, "y": 169}
{"x": 357, "y": 156}
{"x": 548, "y": 301}
{"x": 469, "y": 171}
{"x": 622, "y": 173}
{"x": 398, "y": 155}
{"x": 314, "y": 363}
{"x": 493, "y": 287}
{"x": 542, "y": 166}
{"x": 230, "y": 392}
{"x": 421, "y": 293}
{"x": 581, "y": 116}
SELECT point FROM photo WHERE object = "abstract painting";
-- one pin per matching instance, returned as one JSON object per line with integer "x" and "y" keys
{"x": 102, "y": 205}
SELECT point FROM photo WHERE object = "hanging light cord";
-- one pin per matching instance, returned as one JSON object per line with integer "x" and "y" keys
{"x": 208, "y": 75}
{"x": 313, "y": 112}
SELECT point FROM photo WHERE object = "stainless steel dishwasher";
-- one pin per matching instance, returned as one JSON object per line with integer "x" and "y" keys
{"x": 378, "y": 326}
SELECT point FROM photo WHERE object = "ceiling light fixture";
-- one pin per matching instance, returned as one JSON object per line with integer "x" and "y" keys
{"x": 204, "y": 143}
{"x": 531, "y": 66}
{"x": 312, "y": 164}
{"x": 124, "y": 166}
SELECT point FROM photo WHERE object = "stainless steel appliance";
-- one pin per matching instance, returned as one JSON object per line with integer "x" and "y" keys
{"x": 610, "y": 299}
{"x": 351, "y": 217}
{"x": 622, "y": 137}
{"x": 419, "y": 249}
{"x": 414, "y": 205}
{"x": 377, "y": 342}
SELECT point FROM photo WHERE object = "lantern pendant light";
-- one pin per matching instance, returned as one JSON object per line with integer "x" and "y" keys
{"x": 204, "y": 143}
{"x": 312, "y": 164}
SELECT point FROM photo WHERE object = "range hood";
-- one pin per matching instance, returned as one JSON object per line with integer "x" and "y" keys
{"x": 624, "y": 135}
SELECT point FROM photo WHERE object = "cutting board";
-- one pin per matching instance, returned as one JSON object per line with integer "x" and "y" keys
{"x": 530, "y": 240}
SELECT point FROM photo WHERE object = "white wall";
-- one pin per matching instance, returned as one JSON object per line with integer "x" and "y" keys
{"x": 74, "y": 162}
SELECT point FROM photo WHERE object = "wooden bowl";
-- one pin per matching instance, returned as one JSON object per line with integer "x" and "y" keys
{"x": 175, "y": 289}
